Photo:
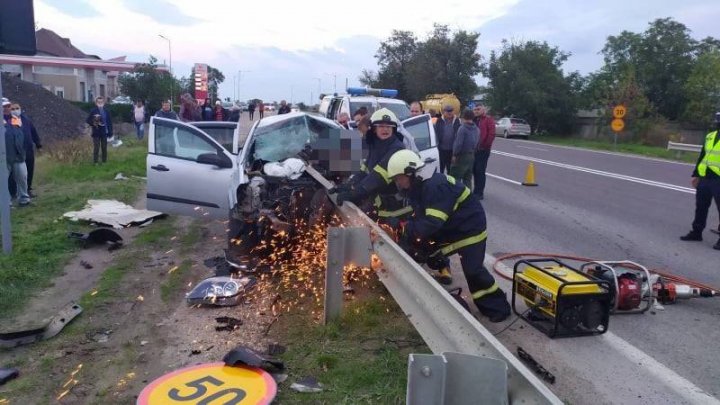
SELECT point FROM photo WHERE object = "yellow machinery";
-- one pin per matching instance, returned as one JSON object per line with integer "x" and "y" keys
{"x": 561, "y": 300}
{"x": 437, "y": 101}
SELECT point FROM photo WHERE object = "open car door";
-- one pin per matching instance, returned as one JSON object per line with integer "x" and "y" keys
{"x": 188, "y": 172}
{"x": 421, "y": 128}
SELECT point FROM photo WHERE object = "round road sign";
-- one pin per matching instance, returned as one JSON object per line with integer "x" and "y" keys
{"x": 211, "y": 383}
{"x": 617, "y": 125}
{"x": 619, "y": 111}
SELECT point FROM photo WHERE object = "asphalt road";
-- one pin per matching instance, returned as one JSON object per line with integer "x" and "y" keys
{"x": 612, "y": 207}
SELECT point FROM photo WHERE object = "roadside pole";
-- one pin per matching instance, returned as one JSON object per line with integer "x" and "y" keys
{"x": 4, "y": 192}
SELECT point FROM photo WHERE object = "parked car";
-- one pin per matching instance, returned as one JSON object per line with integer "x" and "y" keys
{"x": 121, "y": 100}
{"x": 204, "y": 170}
{"x": 509, "y": 127}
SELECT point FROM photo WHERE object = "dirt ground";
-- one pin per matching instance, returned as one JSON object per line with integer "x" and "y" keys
{"x": 135, "y": 333}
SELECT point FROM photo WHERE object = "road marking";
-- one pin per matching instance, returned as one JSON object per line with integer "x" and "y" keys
{"x": 627, "y": 155}
{"x": 667, "y": 377}
{"x": 530, "y": 147}
{"x": 618, "y": 176}
{"x": 503, "y": 178}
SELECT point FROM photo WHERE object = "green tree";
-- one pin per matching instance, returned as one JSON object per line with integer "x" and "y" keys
{"x": 526, "y": 80}
{"x": 147, "y": 83}
{"x": 703, "y": 89}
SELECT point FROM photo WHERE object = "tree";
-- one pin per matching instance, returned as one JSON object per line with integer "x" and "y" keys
{"x": 445, "y": 62}
{"x": 147, "y": 83}
{"x": 703, "y": 89}
{"x": 526, "y": 80}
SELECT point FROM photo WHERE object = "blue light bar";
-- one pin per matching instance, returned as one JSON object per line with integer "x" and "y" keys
{"x": 365, "y": 91}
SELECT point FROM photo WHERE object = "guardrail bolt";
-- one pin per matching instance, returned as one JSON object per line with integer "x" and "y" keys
{"x": 426, "y": 371}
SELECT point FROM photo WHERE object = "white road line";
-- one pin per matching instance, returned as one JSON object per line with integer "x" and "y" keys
{"x": 530, "y": 147}
{"x": 601, "y": 173}
{"x": 503, "y": 178}
{"x": 627, "y": 155}
{"x": 667, "y": 377}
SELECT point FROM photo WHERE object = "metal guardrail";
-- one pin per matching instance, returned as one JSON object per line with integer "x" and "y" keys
{"x": 685, "y": 147}
{"x": 441, "y": 321}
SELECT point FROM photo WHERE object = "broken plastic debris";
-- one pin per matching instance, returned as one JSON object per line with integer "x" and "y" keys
{"x": 307, "y": 384}
{"x": 246, "y": 356}
{"x": 98, "y": 236}
{"x": 222, "y": 291}
{"x": 7, "y": 374}
{"x": 229, "y": 322}
{"x": 120, "y": 176}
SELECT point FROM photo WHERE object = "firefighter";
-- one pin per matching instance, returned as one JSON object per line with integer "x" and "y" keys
{"x": 444, "y": 214}
{"x": 706, "y": 179}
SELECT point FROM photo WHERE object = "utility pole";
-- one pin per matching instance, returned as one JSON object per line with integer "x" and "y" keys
{"x": 240, "y": 72}
{"x": 172, "y": 82}
{"x": 4, "y": 192}
{"x": 319, "y": 80}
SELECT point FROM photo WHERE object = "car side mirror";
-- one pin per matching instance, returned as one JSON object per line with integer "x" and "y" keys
{"x": 217, "y": 159}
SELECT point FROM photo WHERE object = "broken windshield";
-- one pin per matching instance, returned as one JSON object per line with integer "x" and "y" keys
{"x": 284, "y": 139}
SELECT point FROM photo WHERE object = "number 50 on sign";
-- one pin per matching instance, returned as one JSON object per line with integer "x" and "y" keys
{"x": 211, "y": 384}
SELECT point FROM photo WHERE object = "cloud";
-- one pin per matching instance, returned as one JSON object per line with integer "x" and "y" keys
{"x": 75, "y": 8}
{"x": 161, "y": 11}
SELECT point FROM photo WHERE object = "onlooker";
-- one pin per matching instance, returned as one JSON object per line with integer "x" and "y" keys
{"x": 285, "y": 108}
{"x": 415, "y": 109}
{"x": 189, "y": 109}
{"x": 343, "y": 118}
{"x": 101, "y": 122}
{"x": 466, "y": 141}
{"x": 434, "y": 116}
{"x": 235, "y": 112}
{"x": 445, "y": 129}
{"x": 220, "y": 113}
{"x": 15, "y": 153}
{"x": 139, "y": 118}
{"x": 251, "y": 110}
{"x": 206, "y": 111}
{"x": 486, "y": 124}
{"x": 706, "y": 180}
{"x": 31, "y": 141}
{"x": 261, "y": 109}
{"x": 166, "y": 112}
{"x": 360, "y": 113}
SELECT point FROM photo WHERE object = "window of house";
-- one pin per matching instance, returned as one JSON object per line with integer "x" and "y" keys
{"x": 60, "y": 92}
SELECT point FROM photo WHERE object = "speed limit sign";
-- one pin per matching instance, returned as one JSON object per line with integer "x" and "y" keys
{"x": 211, "y": 384}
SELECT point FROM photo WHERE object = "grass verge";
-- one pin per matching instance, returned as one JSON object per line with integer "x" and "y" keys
{"x": 360, "y": 359}
{"x": 40, "y": 245}
{"x": 635, "y": 149}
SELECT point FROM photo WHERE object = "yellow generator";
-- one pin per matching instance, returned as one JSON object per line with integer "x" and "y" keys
{"x": 561, "y": 301}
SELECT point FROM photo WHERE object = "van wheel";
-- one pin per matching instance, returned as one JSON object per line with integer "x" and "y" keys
{"x": 505, "y": 134}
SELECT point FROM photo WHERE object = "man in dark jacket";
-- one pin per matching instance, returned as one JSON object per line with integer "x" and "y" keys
{"x": 466, "y": 140}
{"x": 15, "y": 153}
{"x": 166, "y": 112}
{"x": 445, "y": 130}
{"x": 487, "y": 135}
{"x": 284, "y": 108}
{"x": 32, "y": 141}
{"x": 100, "y": 121}
{"x": 444, "y": 216}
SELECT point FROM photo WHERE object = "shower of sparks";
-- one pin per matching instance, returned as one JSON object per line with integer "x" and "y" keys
{"x": 71, "y": 382}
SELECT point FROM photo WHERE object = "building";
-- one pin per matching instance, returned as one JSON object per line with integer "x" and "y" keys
{"x": 65, "y": 70}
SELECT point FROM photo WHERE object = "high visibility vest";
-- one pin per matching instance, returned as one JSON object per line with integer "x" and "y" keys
{"x": 712, "y": 156}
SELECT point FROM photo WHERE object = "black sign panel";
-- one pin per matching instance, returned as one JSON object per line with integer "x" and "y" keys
{"x": 17, "y": 27}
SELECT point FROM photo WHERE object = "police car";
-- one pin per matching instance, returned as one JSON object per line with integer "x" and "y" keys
{"x": 420, "y": 127}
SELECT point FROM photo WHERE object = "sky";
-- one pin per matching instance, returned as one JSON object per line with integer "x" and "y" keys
{"x": 294, "y": 50}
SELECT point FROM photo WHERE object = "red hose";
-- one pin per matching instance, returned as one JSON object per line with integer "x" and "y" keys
{"x": 665, "y": 275}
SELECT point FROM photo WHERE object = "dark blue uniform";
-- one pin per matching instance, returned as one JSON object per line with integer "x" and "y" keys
{"x": 444, "y": 213}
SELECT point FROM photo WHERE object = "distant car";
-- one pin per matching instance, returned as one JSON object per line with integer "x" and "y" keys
{"x": 294, "y": 108}
{"x": 509, "y": 127}
{"x": 269, "y": 107}
{"x": 121, "y": 100}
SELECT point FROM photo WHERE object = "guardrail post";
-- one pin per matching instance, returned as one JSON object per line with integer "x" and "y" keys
{"x": 345, "y": 246}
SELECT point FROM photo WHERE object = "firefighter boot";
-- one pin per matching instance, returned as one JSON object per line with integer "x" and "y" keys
{"x": 716, "y": 246}
{"x": 494, "y": 305}
{"x": 440, "y": 263}
{"x": 692, "y": 236}
{"x": 444, "y": 277}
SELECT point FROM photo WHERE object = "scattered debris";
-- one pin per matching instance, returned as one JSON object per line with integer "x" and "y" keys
{"x": 13, "y": 338}
{"x": 195, "y": 352}
{"x": 307, "y": 384}
{"x": 7, "y": 374}
{"x": 115, "y": 142}
{"x": 535, "y": 366}
{"x": 222, "y": 291}
{"x": 230, "y": 323}
{"x": 101, "y": 336}
{"x": 267, "y": 328}
{"x": 113, "y": 213}
{"x": 98, "y": 236}
{"x": 242, "y": 355}
{"x": 120, "y": 176}
{"x": 279, "y": 378}
{"x": 275, "y": 349}
{"x": 146, "y": 223}
{"x": 86, "y": 265}
{"x": 143, "y": 342}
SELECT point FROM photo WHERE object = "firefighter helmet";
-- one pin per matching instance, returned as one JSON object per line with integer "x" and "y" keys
{"x": 404, "y": 162}
{"x": 384, "y": 116}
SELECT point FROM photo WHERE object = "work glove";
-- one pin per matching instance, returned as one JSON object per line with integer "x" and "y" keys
{"x": 339, "y": 189}
{"x": 343, "y": 196}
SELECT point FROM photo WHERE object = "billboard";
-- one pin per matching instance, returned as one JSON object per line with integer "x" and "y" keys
{"x": 17, "y": 27}
{"x": 201, "y": 81}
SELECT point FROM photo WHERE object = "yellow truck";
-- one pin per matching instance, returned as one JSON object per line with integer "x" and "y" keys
{"x": 436, "y": 102}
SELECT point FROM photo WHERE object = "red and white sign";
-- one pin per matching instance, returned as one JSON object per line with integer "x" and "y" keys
{"x": 201, "y": 81}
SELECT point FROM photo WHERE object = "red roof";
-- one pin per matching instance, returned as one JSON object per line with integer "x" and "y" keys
{"x": 52, "y": 44}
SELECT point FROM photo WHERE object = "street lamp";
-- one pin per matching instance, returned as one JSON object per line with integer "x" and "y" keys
{"x": 319, "y": 85}
{"x": 240, "y": 72}
{"x": 172, "y": 84}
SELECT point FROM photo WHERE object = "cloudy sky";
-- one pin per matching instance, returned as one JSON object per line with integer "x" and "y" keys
{"x": 287, "y": 50}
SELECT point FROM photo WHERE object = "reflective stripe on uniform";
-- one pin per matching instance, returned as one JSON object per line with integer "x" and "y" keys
{"x": 481, "y": 293}
{"x": 447, "y": 249}
{"x": 462, "y": 198}
{"x": 432, "y": 212}
{"x": 363, "y": 168}
{"x": 383, "y": 173}
{"x": 396, "y": 213}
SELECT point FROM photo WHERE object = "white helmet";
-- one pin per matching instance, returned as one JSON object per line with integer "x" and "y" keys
{"x": 404, "y": 162}
{"x": 384, "y": 116}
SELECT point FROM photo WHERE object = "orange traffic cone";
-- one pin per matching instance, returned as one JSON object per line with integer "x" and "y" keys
{"x": 530, "y": 175}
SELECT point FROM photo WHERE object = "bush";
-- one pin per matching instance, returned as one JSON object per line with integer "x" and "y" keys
{"x": 118, "y": 112}
{"x": 72, "y": 150}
